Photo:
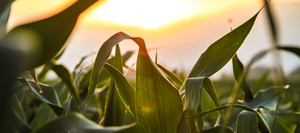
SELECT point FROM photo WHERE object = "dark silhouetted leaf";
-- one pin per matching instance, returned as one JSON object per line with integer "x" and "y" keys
{"x": 238, "y": 70}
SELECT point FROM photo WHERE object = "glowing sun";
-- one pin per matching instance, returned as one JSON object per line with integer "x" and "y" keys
{"x": 144, "y": 13}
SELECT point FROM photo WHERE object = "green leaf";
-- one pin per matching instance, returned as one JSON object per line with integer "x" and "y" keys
{"x": 218, "y": 129}
{"x": 159, "y": 105}
{"x": 262, "y": 81}
{"x": 5, "y": 6}
{"x": 292, "y": 117}
{"x": 50, "y": 34}
{"x": 261, "y": 119}
{"x": 62, "y": 91}
{"x": 247, "y": 122}
{"x": 49, "y": 96}
{"x": 124, "y": 89}
{"x": 266, "y": 98}
{"x": 170, "y": 75}
{"x": 238, "y": 70}
{"x": 13, "y": 123}
{"x": 280, "y": 124}
{"x": 193, "y": 95}
{"x": 43, "y": 115}
{"x": 292, "y": 49}
{"x": 151, "y": 88}
{"x": 18, "y": 107}
{"x": 64, "y": 74}
{"x": 77, "y": 123}
{"x": 221, "y": 51}
{"x": 114, "y": 109}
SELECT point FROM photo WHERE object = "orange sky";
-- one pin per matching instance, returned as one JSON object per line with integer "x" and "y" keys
{"x": 182, "y": 38}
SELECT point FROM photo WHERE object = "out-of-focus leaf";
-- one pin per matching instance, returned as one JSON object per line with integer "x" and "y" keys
{"x": 262, "y": 81}
{"x": 10, "y": 68}
{"x": 64, "y": 74}
{"x": 267, "y": 98}
{"x": 5, "y": 6}
{"x": 279, "y": 124}
{"x": 15, "y": 102}
{"x": 49, "y": 64}
{"x": 254, "y": 59}
{"x": 238, "y": 70}
{"x": 43, "y": 115}
{"x": 124, "y": 89}
{"x": 82, "y": 59}
{"x": 52, "y": 32}
{"x": 49, "y": 96}
{"x": 218, "y": 129}
{"x": 247, "y": 122}
{"x": 292, "y": 117}
{"x": 292, "y": 49}
{"x": 271, "y": 21}
{"x": 170, "y": 75}
{"x": 260, "y": 118}
{"x": 13, "y": 123}
{"x": 221, "y": 51}
{"x": 76, "y": 123}
{"x": 114, "y": 108}
{"x": 62, "y": 91}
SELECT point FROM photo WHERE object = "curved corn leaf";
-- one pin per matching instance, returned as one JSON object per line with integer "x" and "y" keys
{"x": 124, "y": 88}
{"x": 292, "y": 49}
{"x": 114, "y": 108}
{"x": 292, "y": 117}
{"x": 154, "y": 95}
{"x": 247, "y": 122}
{"x": 279, "y": 124}
{"x": 170, "y": 75}
{"x": 81, "y": 60}
{"x": 193, "y": 97}
{"x": 261, "y": 119}
{"x": 49, "y": 96}
{"x": 5, "y": 6}
{"x": 254, "y": 59}
{"x": 64, "y": 74}
{"x": 265, "y": 98}
{"x": 77, "y": 123}
{"x": 52, "y": 32}
{"x": 18, "y": 107}
{"x": 238, "y": 70}
{"x": 262, "y": 81}
{"x": 151, "y": 100}
{"x": 13, "y": 123}
{"x": 221, "y": 51}
{"x": 218, "y": 129}
{"x": 43, "y": 115}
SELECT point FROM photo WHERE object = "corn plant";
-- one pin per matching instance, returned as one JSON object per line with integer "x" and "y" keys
{"x": 97, "y": 97}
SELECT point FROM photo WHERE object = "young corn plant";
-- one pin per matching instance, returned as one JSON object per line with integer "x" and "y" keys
{"x": 99, "y": 98}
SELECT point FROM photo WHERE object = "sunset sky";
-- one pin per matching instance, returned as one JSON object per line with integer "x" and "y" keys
{"x": 180, "y": 29}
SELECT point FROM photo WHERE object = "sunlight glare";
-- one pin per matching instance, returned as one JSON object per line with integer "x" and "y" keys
{"x": 144, "y": 13}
